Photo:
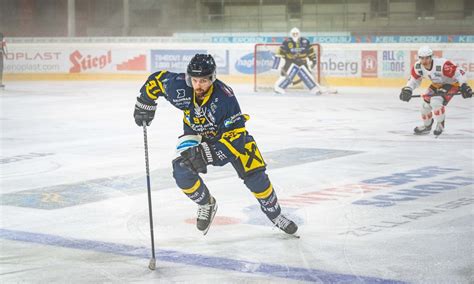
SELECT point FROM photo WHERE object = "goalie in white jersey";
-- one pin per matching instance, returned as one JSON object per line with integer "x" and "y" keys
{"x": 446, "y": 78}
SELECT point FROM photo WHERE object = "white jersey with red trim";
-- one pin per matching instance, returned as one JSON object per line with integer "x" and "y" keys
{"x": 442, "y": 72}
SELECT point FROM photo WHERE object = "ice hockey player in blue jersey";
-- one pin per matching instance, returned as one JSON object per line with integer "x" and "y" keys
{"x": 292, "y": 59}
{"x": 213, "y": 134}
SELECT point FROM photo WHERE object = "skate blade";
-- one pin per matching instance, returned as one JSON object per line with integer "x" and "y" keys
{"x": 421, "y": 134}
{"x": 295, "y": 236}
{"x": 290, "y": 236}
{"x": 436, "y": 136}
{"x": 210, "y": 223}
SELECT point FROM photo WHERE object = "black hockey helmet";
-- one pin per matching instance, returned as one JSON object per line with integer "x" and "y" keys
{"x": 201, "y": 65}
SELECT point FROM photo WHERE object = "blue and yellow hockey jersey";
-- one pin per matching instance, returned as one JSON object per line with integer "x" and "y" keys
{"x": 297, "y": 51}
{"x": 218, "y": 119}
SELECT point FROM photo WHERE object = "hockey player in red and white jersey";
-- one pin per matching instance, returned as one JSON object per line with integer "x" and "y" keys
{"x": 446, "y": 78}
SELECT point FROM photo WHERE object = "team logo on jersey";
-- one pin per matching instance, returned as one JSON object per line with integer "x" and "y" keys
{"x": 213, "y": 107}
{"x": 252, "y": 159}
{"x": 187, "y": 117}
{"x": 211, "y": 117}
{"x": 181, "y": 100}
{"x": 438, "y": 68}
{"x": 233, "y": 119}
{"x": 181, "y": 93}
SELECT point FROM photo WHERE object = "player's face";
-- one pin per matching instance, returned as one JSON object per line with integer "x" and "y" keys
{"x": 295, "y": 35}
{"x": 426, "y": 61}
{"x": 201, "y": 86}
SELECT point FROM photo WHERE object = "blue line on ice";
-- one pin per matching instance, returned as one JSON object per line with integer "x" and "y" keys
{"x": 272, "y": 270}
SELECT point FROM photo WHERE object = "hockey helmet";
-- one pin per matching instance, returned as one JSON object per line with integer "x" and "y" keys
{"x": 425, "y": 51}
{"x": 201, "y": 65}
{"x": 295, "y": 34}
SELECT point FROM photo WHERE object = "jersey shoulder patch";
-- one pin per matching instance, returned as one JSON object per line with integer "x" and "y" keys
{"x": 417, "y": 72}
{"x": 449, "y": 69}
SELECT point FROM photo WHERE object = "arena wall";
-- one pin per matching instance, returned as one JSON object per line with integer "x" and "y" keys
{"x": 343, "y": 64}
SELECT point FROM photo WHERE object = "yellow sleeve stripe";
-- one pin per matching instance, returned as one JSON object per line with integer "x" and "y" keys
{"x": 230, "y": 147}
{"x": 193, "y": 188}
{"x": 264, "y": 194}
{"x": 157, "y": 77}
{"x": 150, "y": 95}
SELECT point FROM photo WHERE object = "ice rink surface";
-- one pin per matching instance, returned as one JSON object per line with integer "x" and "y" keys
{"x": 374, "y": 203}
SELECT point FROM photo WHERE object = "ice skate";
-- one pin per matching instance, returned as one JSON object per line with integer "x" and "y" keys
{"x": 420, "y": 130}
{"x": 439, "y": 128}
{"x": 315, "y": 91}
{"x": 206, "y": 215}
{"x": 278, "y": 90}
{"x": 285, "y": 224}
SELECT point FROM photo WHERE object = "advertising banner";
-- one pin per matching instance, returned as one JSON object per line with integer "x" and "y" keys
{"x": 369, "y": 63}
{"x": 393, "y": 63}
{"x": 221, "y": 56}
{"x": 171, "y": 59}
{"x": 244, "y": 61}
{"x": 341, "y": 63}
{"x": 177, "y": 61}
{"x": 90, "y": 60}
{"x": 382, "y": 61}
{"x": 38, "y": 60}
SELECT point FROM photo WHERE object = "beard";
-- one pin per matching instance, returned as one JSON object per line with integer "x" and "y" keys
{"x": 200, "y": 94}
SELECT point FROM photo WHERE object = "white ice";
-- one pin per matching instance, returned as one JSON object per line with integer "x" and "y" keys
{"x": 75, "y": 147}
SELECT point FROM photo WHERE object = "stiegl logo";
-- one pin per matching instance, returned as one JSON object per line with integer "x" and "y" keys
{"x": 82, "y": 63}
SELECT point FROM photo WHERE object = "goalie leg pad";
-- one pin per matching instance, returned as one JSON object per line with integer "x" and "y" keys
{"x": 307, "y": 77}
{"x": 276, "y": 62}
{"x": 284, "y": 82}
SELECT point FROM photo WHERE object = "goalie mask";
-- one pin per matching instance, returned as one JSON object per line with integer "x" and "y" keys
{"x": 295, "y": 34}
{"x": 201, "y": 65}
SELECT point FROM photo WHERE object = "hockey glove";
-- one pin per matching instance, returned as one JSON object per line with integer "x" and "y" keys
{"x": 144, "y": 112}
{"x": 198, "y": 157}
{"x": 466, "y": 91}
{"x": 406, "y": 93}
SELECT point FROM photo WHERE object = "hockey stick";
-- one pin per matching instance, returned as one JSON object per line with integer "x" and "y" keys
{"x": 436, "y": 95}
{"x": 152, "y": 264}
